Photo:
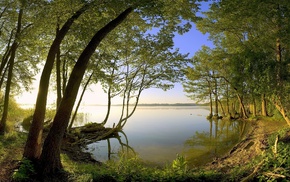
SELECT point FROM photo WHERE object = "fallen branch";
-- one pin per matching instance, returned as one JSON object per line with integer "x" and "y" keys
{"x": 274, "y": 175}
{"x": 251, "y": 176}
{"x": 96, "y": 137}
{"x": 275, "y": 149}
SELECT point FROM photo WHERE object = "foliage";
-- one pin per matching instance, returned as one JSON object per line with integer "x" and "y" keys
{"x": 25, "y": 170}
{"x": 11, "y": 140}
{"x": 276, "y": 165}
{"x": 27, "y": 115}
{"x": 180, "y": 164}
{"x": 10, "y": 144}
{"x": 132, "y": 168}
{"x": 250, "y": 57}
{"x": 15, "y": 115}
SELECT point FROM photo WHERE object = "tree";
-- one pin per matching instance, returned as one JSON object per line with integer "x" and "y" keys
{"x": 10, "y": 71}
{"x": 157, "y": 14}
{"x": 32, "y": 149}
{"x": 202, "y": 81}
{"x": 14, "y": 54}
{"x": 252, "y": 42}
{"x": 50, "y": 156}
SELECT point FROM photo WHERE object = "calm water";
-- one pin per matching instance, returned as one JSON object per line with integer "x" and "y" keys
{"x": 158, "y": 133}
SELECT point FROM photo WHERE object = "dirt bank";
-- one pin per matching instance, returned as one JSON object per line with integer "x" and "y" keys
{"x": 252, "y": 145}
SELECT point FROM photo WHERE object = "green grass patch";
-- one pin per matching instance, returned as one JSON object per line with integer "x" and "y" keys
{"x": 132, "y": 168}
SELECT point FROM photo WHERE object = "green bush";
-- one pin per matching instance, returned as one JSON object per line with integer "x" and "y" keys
{"x": 24, "y": 172}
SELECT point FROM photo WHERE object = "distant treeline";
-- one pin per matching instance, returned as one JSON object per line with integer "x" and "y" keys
{"x": 176, "y": 104}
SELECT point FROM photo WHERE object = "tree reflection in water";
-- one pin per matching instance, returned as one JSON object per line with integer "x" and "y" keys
{"x": 123, "y": 147}
{"x": 203, "y": 147}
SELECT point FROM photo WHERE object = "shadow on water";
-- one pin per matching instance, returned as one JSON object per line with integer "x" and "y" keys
{"x": 222, "y": 136}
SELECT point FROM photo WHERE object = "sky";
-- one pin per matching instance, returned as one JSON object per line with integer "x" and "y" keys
{"x": 189, "y": 42}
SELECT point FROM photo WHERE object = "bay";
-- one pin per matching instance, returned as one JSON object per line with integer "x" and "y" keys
{"x": 158, "y": 133}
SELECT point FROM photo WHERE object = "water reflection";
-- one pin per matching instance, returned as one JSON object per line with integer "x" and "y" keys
{"x": 157, "y": 134}
{"x": 204, "y": 146}
{"x": 98, "y": 148}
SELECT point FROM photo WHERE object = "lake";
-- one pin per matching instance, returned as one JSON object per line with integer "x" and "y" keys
{"x": 158, "y": 133}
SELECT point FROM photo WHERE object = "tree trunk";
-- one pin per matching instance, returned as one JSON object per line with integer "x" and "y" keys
{"x": 210, "y": 101}
{"x": 281, "y": 109}
{"x": 109, "y": 99}
{"x": 264, "y": 106}
{"x": 222, "y": 108}
{"x": 80, "y": 101}
{"x": 216, "y": 98}
{"x": 4, "y": 61}
{"x": 108, "y": 107}
{"x": 50, "y": 157}
{"x": 228, "y": 102}
{"x": 64, "y": 75}
{"x": 243, "y": 110}
{"x": 32, "y": 148}
{"x": 254, "y": 109}
{"x": 58, "y": 74}
{"x": 7, "y": 90}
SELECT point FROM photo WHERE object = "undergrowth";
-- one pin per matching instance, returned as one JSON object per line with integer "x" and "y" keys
{"x": 133, "y": 168}
{"x": 276, "y": 160}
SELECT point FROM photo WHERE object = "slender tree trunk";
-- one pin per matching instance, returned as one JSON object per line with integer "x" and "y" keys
{"x": 210, "y": 106}
{"x": 108, "y": 106}
{"x": 210, "y": 101}
{"x": 123, "y": 121}
{"x": 282, "y": 110}
{"x": 243, "y": 110}
{"x": 80, "y": 101}
{"x": 264, "y": 105}
{"x": 254, "y": 109}
{"x": 109, "y": 149}
{"x": 58, "y": 74}
{"x": 50, "y": 158}
{"x": 32, "y": 148}
{"x": 109, "y": 97}
{"x": 7, "y": 90}
{"x": 228, "y": 102}
{"x": 222, "y": 108}
{"x": 216, "y": 98}
{"x": 64, "y": 75}
{"x": 3, "y": 76}
{"x": 4, "y": 61}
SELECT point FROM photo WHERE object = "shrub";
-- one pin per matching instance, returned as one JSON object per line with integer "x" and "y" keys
{"x": 276, "y": 166}
{"x": 24, "y": 172}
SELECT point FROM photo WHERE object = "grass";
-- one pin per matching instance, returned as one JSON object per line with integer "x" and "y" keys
{"x": 132, "y": 168}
